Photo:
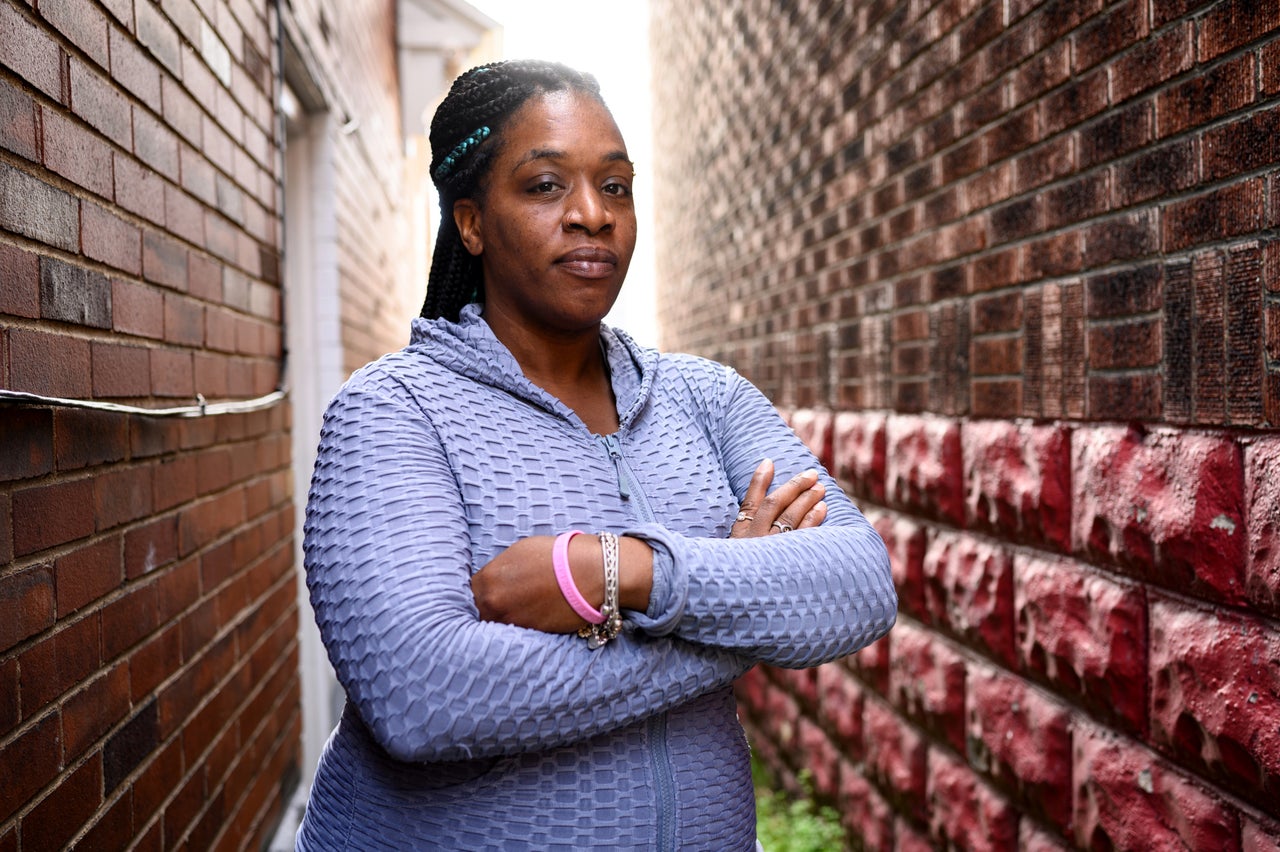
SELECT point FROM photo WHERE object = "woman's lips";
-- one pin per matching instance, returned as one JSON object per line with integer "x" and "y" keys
{"x": 589, "y": 262}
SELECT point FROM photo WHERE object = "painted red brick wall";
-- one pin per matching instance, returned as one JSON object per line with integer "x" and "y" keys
{"x": 148, "y": 672}
{"x": 1012, "y": 269}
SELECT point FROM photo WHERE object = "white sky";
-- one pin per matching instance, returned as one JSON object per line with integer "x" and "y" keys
{"x": 611, "y": 41}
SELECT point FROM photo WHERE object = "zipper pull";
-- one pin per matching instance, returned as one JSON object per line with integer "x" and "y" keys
{"x": 615, "y": 453}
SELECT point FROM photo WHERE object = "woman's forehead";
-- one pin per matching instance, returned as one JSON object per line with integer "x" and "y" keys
{"x": 562, "y": 122}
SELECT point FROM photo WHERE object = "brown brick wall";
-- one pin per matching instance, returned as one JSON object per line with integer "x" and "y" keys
{"x": 148, "y": 617}
{"x": 1013, "y": 270}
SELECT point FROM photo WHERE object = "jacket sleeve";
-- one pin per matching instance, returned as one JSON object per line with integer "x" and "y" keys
{"x": 793, "y": 600}
{"x": 388, "y": 567}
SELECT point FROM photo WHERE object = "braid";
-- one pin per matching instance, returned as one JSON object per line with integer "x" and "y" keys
{"x": 466, "y": 135}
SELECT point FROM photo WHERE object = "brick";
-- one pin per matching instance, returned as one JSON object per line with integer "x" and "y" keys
{"x": 183, "y": 320}
{"x": 172, "y": 373}
{"x": 1125, "y": 292}
{"x": 85, "y": 27}
{"x": 164, "y": 261}
{"x": 1229, "y": 211}
{"x": 840, "y": 708}
{"x": 927, "y": 683}
{"x": 137, "y": 309}
{"x": 924, "y": 468}
{"x": 32, "y": 760}
{"x": 182, "y": 215}
{"x": 964, "y": 810}
{"x": 10, "y": 713}
{"x": 95, "y": 99}
{"x": 129, "y": 746}
{"x": 859, "y": 453}
{"x": 120, "y": 371}
{"x": 122, "y": 495}
{"x": 153, "y": 662}
{"x": 1259, "y": 836}
{"x": 1114, "y": 134}
{"x": 997, "y": 356}
{"x": 897, "y": 758}
{"x": 91, "y": 712}
{"x": 905, "y": 541}
{"x": 1207, "y": 302}
{"x": 129, "y": 619}
{"x": 32, "y": 208}
{"x": 1241, "y": 146}
{"x": 1125, "y": 345}
{"x": 48, "y": 515}
{"x": 1071, "y": 104}
{"x": 113, "y": 827}
{"x": 159, "y": 37}
{"x": 1156, "y": 59}
{"x": 1129, "y": 235}
{"x": 1077, "y": 200}
{"x": 1234, "y": 23}
{"x": 138, "y": 189}
{"x": 863, "y": 811}
{"x": 108, "y": 238}
{"x": 1215, "y": 691}
{"x": 73, "y": 294}
{"x": 1018, "y": 481}
{"x": 58, "y": 662}
{"x": 85, "y": 438}
{"x": 28, "y": 443}
{"x": 1133, "y": 396}
{"x": 30, "y": 52}
{"x": 996, "y": 398}
{"x": 1128, "y": 798}
{"x": 156, "y": 145}
{"x": 1110, "y": 33}
{"x": 1262, "y": 496}
{"x": 1154, "y": 172}
{"x": 1002, "y": 312}
{"x": 969, "y": 592}
{"x": 85, "y": 575}
{"x": 30, "y": 605}
{"x": 1166, "y": 506}
{"x": 1021, "y": 739}
{"x": 1219, "y": 91}
{"x": 18, "y": 130}
{"x": 133, "y": 69}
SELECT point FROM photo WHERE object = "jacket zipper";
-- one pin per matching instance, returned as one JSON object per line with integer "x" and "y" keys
{"x": 656, "y": 727}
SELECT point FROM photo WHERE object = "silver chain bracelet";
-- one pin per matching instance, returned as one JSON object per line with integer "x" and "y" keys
{"x": 598, "y": 634}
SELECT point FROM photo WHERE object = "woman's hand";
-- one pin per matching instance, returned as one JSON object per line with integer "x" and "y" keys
{"x": 796, "y": 504}
{"x": 518, "y": 586}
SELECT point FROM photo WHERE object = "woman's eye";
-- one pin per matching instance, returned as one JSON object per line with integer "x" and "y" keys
{"x": 543, "y": 186}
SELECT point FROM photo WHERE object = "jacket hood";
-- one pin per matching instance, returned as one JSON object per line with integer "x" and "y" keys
{"x": 469, "y": 348}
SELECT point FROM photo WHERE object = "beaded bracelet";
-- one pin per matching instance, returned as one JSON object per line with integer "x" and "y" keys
{"x": 610, "y": 624}
{"x": 564, "y": 577}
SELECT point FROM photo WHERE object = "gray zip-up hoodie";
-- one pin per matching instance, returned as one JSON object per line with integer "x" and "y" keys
{"x": 462, "y": 734}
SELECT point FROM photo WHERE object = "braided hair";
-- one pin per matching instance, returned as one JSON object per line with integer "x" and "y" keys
{"x": 466, "y": 135}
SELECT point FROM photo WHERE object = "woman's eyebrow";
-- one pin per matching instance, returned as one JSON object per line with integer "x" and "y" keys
{"x": 554, "y": 154}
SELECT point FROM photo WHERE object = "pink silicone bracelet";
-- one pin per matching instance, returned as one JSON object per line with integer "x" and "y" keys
{"x": 560, "y": 561}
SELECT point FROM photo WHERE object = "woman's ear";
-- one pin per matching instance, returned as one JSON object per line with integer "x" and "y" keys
{"x": 466, "y": 215}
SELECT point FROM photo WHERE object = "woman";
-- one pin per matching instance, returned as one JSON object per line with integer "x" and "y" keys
{"x": 453, "y": 596}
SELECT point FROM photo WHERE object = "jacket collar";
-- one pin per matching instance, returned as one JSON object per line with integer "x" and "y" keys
{"x": 469, "y": 348}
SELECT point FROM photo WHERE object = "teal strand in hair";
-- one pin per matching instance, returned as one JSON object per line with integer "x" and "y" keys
{"x": 459, "y": 151}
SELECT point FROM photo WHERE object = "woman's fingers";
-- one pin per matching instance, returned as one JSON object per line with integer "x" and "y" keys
{"x": 755, "y": 495}
{"x": 792, "y": 505}
{"x": 814, "y": 517}
{"x": 793, "y": 515}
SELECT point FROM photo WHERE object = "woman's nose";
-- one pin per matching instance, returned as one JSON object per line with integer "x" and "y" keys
{"x": 586, "y": 209}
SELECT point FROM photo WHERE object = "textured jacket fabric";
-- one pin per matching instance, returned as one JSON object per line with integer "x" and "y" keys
{"x": 462, "y": 734}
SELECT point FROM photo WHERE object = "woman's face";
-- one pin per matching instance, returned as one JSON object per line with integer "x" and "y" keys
{"x": 554, "y": 224}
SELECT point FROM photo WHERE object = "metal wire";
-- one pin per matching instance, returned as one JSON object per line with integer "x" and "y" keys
{"x": 200, "y": 409}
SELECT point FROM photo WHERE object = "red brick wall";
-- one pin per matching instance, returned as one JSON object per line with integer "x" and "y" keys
{"x": 148, "y": 673}
{"x": 1013, "y": 270}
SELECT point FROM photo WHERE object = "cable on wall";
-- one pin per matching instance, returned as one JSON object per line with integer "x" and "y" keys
{"x": 200, "y": 409}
